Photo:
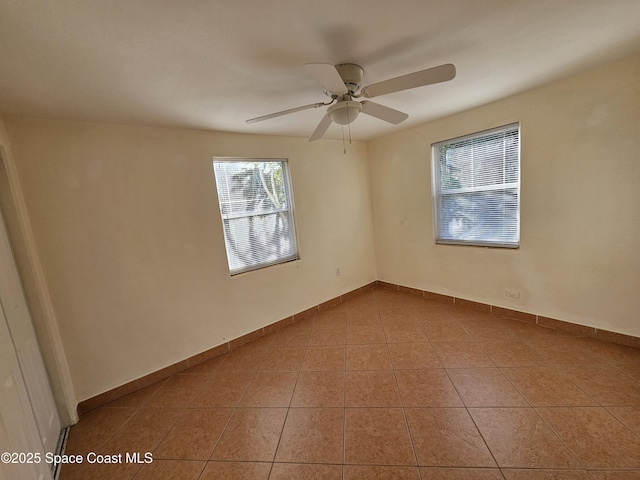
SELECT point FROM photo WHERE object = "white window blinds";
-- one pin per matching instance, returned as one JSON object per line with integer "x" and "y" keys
{"x": 257, "y": 217}
{"x": 476, "y": 185}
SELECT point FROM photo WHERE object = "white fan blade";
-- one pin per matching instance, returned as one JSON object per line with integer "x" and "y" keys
{"x": 285, "y": 112}
{"x": 429, "y": 76}
{"x": 383, "y": 113}
{"x": 320, "y": 129}
{"x": 327, "y": 75}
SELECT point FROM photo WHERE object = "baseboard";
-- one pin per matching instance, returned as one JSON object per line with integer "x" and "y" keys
{"x": 142, "y": 382}
{"x": 562, "y": 325}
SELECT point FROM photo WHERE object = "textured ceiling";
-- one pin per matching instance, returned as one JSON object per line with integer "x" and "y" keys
{"x": 212, "y": 64}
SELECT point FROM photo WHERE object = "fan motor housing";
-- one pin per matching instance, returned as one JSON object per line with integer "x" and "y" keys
{"x": 351, "y": 74}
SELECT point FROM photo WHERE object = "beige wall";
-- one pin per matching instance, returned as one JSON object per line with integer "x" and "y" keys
{"x": 125, "y": 225}
{"x": 579, "y": 258}
{"x": 128, "y": 228}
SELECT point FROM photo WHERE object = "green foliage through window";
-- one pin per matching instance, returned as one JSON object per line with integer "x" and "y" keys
{"x": 255, "y": 206}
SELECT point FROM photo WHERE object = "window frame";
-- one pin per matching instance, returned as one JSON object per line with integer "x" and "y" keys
{"x": 289, "y": 209}
{"x": 437, "y": 192}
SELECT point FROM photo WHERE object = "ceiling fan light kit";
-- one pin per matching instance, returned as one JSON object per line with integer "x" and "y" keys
{"x": 342, "y": 83}
{"x": 344, "y": 112}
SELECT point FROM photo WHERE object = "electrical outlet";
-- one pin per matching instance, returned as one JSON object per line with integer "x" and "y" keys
{"x": 337, "y": 271}
{"x": 511, "y": 293}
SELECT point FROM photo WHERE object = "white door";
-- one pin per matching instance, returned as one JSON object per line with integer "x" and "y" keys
{"x": 18, "y": 431}
{"x": 22, "y": 336}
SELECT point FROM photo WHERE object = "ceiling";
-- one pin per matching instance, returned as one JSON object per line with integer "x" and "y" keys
{"x": 212, "y": 64}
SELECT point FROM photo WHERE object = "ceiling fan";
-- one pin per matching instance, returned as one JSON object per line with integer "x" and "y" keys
{"x": 342, "y": 83}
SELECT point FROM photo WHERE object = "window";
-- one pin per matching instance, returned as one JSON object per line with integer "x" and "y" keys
{"x": 476, "y": 185}
{"x": 257, "y": 216}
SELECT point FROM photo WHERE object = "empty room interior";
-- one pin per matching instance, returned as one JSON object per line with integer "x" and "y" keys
{"x": 320, "y": 240}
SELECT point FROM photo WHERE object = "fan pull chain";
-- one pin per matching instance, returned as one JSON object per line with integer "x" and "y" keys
{"x": 349, "y": 125}
{"x": 344, "y": 145}
{"x": 349, "y": 129}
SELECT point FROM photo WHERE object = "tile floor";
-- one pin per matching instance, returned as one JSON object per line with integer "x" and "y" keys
{"x": 385, "y": 386}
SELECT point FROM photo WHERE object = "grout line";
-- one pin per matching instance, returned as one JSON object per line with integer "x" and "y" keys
{"x": 557, "y": 435}
{"x": 203, "y": 468}
{"x": 344, "y": 408}
{"x": 226, "y": 425}
{"x": 406, "y": 420}
{"x": 293, "y": 392}
{"x": 466, "y": 408}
